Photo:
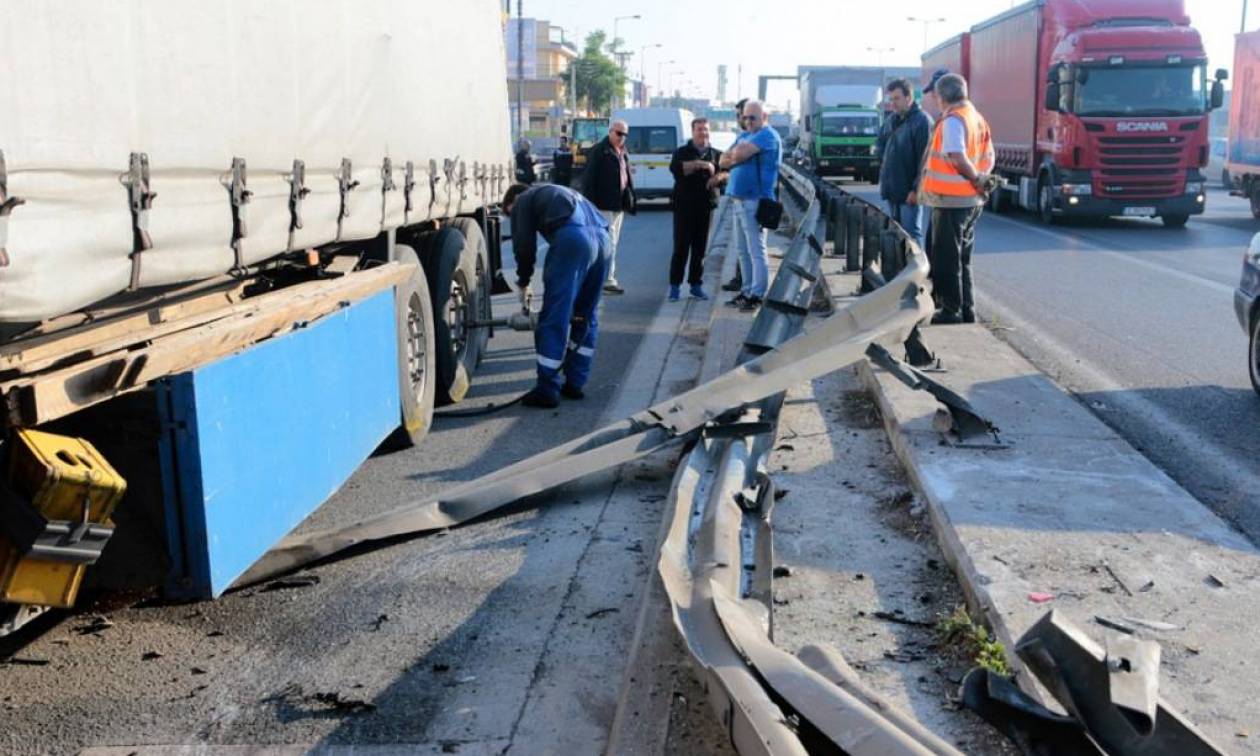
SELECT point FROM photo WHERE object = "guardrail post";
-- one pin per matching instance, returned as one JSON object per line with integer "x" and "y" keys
{"x": 836, "y": 233}
{"x": 853, "y": 235}
{"x": 890, "y": 253}
{"x": 872, "y": 226}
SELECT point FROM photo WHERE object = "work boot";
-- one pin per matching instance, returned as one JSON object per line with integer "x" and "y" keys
{"x": 751, "y": 304}
{"x": 544, "y": 398}
{"x": 569, "y": 391}
{"x": 737, "y": 301}
{"x": 946, "y": 317}
{"x": 675, "y": 293}
{"x": 697, "y": 291}
{"x": 735, "y": 284}
{"x": 968, "y": 315}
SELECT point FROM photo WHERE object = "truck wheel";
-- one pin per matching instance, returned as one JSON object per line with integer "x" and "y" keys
{"x": 997, "y": 202}
{"x": 1175, "y": 221}
{"x": 417, "y": 374}
{"x": 476, "y": 241}
{"x": 1253, "y": 354}
{"x": 1225, "y": 178}
{"x": 1045, "y": 202}
{"x": 452, "y": 275}
{"x": 1254, "y": 194}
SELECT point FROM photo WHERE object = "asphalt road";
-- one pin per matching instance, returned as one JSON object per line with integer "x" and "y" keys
{"x": 507, "y": 634}
{"x": 1137, "y": 320}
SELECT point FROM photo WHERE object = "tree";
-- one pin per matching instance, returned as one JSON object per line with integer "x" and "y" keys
{"x": 599, "y": 79}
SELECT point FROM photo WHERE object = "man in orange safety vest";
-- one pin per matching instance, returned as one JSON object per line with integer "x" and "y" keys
{"x": 955, "y": 182}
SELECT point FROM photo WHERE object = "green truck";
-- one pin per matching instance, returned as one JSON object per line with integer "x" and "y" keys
{"x": 842, "y": 109}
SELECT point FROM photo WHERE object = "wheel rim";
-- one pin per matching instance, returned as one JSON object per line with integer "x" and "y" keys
{"x": 457, "y": 312}
{"x": 417, "y": 367}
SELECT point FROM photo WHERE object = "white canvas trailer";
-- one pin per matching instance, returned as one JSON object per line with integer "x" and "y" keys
{"x": 146, "y": 143}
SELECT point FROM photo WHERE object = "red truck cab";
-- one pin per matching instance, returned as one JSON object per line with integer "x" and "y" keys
{"x": 1109, "y": 114}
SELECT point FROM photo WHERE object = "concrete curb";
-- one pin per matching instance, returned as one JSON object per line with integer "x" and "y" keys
{"x": 1073, "y": 510}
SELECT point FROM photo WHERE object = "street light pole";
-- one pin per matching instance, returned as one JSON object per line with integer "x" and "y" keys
{"x": 642, "y": 72}
{"x": 1242, "y": 29}
{"x": 927, "y": 22}
{"x": 520, "y": 71}
{"x": 879, "y": 53}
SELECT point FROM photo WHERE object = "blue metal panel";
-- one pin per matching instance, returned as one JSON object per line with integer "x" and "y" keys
{"x": 258, "y": 440}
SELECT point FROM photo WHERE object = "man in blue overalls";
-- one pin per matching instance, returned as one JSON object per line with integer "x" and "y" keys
{"x": 573, "y": 280}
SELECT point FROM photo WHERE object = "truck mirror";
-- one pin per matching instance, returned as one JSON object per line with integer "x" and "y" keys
{"x": 1218, "y": 94}
{"x": 1053, "y": 90}
{"x": 1222, "y": 74}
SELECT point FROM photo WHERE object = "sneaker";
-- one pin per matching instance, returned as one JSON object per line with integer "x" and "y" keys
{"x": 612, "y": 287}
{"x": 946, "y": 317}
{"x": 540, "y": 397}
{"x": 737, "y": 301}
{"x": 675, "y": 293}
{"x": 750, "y": 304}
{"x": 569, "y": 391}
{"x": 697, "y": 292}
{"x": 735, "y": 284}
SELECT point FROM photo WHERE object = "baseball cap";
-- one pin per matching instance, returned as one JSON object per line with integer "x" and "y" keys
{"x": 936, "y": 76}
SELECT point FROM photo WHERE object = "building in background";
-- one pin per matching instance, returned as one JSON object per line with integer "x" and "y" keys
{"x": 537, "y": 59}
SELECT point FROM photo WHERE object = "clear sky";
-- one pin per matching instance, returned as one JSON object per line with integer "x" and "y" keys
{"x": 774, "y": 36}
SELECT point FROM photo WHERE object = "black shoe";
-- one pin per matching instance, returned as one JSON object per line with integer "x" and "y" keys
{"x": 751, "y": 304}
{"x": 735, "y": 284}
{"x": 969, "y": 315}
{"x": 945, "y": 317}
{"x": 569, "y": 391}
{"x": 737, "y": 301}
{"x": 539, "y": 398}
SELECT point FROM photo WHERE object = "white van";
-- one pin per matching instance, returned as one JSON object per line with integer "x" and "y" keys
{"x": 654, "y": 135}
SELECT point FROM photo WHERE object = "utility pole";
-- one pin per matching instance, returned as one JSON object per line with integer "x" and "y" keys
{"x": 520, "y": 71}
{"x": 1242, "y": 29}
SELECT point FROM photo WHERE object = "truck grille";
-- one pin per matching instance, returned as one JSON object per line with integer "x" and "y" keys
{"x": 845, "y": 150}
{"x": 1137, "y": 167}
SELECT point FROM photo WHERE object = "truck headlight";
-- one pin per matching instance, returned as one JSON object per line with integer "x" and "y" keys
{"x": 872, "y": 149}
{"x": 1194, "y": 187}
{"x": 1078, "y": 190}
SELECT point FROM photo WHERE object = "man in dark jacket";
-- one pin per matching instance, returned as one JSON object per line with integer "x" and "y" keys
{"x": 562, "y": 164}
{"x": 696, "y": 179}
{"x": 525, "y": 172}
{"x": 573, "y": 276}
{"x": 901, "y": 144}
{"x": 607, "y": 183}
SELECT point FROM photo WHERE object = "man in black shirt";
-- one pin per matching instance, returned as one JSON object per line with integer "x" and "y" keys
{"x": 696, "y": 179}
{"x": 562, "y": 164}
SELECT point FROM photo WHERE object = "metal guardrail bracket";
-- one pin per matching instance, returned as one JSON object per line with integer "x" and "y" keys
{"x": 959, "y": 419}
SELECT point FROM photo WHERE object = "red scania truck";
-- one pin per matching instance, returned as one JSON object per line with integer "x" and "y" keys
{"x": 1097, "y": 107}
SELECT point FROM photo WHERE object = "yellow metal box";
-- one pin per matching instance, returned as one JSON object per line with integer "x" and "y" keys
{"x": 61, "y": 477}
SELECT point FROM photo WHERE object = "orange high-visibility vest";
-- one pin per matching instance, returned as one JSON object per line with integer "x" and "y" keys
{"x": 942, "y": 184}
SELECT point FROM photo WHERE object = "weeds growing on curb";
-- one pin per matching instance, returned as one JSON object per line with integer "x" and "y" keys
{"x": 972, "y": 640}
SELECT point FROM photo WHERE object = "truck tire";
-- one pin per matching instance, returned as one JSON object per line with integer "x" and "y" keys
{"x": 481, "y": 304}
{"x": 997, "y": 201}
{"x": 1045, "y": 201}
{"x": 1177, "y": 220}
{"x": 1225, "y": 178}
{"x": 450, "y": 266}
{"x": 1253, "y": 354}
{"x": 417, "y": 373}
{"x": 1254, "y": 194}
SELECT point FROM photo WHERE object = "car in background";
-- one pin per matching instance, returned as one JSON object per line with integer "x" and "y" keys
{"x": 1245, "y": 306}
{"x": 1216, "y": 170}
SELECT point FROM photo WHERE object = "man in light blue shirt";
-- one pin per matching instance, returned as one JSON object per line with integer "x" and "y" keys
{"x": 754, "y": 165}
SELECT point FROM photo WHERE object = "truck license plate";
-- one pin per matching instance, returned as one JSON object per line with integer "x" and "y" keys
{"x": 1142, "y": 211}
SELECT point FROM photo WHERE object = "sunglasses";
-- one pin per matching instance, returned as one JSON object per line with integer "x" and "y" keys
{"x": 620, "y": 133}
{"x": 749, "y": 118}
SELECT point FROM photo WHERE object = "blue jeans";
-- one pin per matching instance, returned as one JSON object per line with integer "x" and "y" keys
{"x": 754, "y": 261}
{"x": 910, "y": 217}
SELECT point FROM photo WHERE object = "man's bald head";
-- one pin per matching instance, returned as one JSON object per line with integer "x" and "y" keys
{"x": 753, "y": 116}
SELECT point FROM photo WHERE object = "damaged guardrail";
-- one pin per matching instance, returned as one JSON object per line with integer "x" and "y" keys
{"x": 717, "y": 559}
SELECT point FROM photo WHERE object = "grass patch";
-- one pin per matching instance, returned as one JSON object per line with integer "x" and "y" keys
{"x": 973, "y": 641}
